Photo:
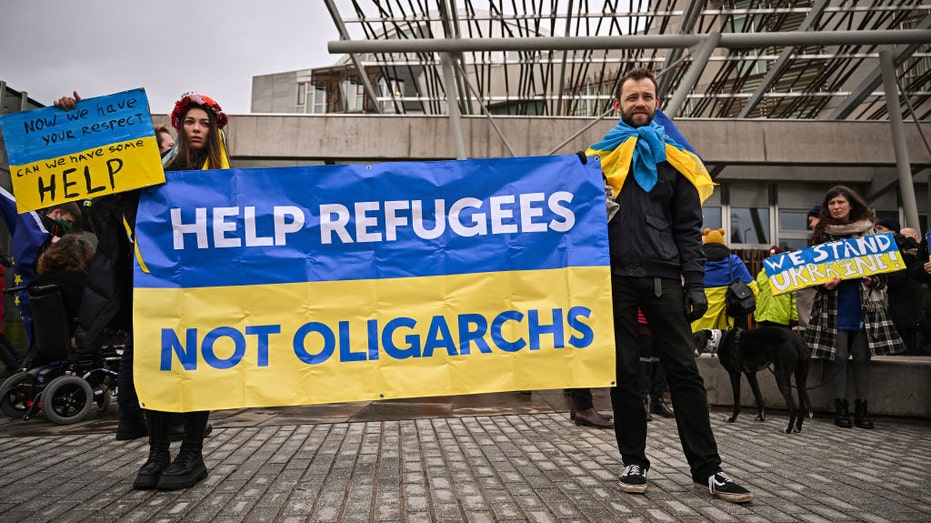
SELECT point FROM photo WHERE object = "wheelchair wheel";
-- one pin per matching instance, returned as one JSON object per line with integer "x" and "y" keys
{"x": 67, "y": 399}
{"x": 103, "y": 400}
{"x": 14, "y": 399}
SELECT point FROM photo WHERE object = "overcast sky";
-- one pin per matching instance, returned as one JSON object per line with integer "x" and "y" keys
{"x": 49, "y": 48}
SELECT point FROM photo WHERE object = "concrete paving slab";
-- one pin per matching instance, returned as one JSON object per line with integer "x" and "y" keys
{"x": 524, "y": 461}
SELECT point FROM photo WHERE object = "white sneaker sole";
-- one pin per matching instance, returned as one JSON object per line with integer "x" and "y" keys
{"x": 634, "y": 489}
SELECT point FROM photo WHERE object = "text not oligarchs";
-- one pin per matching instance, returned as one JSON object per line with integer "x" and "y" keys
{"x": 374, "y": 221}
{"x": 315, "y": 342}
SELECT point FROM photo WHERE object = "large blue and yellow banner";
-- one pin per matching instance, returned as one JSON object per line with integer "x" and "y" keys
{"x": 843, "y": 259}
{"x": 305, "y": 285}
{"x": 105, "y": 145}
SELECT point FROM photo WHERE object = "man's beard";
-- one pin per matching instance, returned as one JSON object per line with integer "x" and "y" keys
{"x": 628, "y": 119}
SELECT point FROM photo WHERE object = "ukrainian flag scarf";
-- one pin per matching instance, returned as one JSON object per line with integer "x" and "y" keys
{"x": 639, "y": 149}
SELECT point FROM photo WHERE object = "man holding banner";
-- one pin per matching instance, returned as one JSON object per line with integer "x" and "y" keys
{"x": 655, "y": 247}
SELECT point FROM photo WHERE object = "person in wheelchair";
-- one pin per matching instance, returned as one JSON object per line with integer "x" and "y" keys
{"x": 56, "y": 378}
{"x": 65, "y": 264}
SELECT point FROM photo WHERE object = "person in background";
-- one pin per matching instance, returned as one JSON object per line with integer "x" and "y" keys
{"x": 908, "y": 232}
{"x": 848, "y": 318}
{"x": 804, "y": 298}
{"x": 721, "y": 268}
{"x": 906, "y": 295}
{"x": 65, "y": 265}
{"x": 165, "y": 141}
{"x": 582, "y": 410}
{"x": 814, "y": 216}
{"x": 924, "y": 337}
{"x": 778, "y": 311}
{"x": 12, "y": 361}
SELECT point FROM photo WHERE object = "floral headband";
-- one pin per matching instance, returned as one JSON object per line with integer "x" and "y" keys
{"x": 197, "y": 99}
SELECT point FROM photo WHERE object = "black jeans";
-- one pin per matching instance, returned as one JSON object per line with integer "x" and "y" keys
{"x": 673, "y": 345}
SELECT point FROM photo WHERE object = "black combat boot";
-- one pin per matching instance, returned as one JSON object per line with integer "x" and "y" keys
{"x": 188, "y": 468}
{"x": 841, "y": 414}
{"x": 861, "y": 414}
{"x": 159, "y": 452}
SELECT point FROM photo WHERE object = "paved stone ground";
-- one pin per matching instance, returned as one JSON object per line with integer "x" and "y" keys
{"x": 525, "y": 466}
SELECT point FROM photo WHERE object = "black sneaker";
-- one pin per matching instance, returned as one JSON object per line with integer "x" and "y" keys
{"x": 722, "y": 486}
{"x": 634, "y": 479}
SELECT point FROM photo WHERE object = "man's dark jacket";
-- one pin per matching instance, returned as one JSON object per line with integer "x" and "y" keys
{"x": 658, "y": 234}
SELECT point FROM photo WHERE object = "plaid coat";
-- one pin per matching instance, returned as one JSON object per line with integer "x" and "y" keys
{"x": 821, "y": 334}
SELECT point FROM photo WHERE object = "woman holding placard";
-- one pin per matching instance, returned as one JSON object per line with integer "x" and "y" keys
{"x": 848, "y": 318}
{"x": 198, "y": 120}
{"x": 199, "y": 145}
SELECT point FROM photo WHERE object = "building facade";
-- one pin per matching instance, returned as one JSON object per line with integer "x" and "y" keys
{"x": 565, "y": 58}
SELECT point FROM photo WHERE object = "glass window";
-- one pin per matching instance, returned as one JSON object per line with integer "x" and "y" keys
{"x": 711, "y": 217}
{"x": 749, "y": 225}
{"x": 391, "y": 91}
{"x": 793, "y": 220}
{"x": 318, "y": 104}
{"x": 301, "y": 96}
{"x": 749, "y": 214}
{"x": 354, "y": 94}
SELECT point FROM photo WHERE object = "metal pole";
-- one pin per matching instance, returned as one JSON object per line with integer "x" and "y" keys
{"x": 344, "y": 34}
{"x": 485, "y": 110}
{"x": 906, "y": 186}
{"x": 776, "y": 68}
{"x": 565, "y": 56}
{"x": 699, "y": 61}
{"x": 452, "y": 103}
{"x": 728, "y": 40}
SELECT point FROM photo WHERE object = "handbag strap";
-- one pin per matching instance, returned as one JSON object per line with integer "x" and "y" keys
{"x": 730, "y": 268}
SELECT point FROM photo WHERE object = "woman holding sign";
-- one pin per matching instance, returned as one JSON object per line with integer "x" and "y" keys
{"x": 198, "y": 120}
{"x": 848, "y": 318}
{"x": 199, "y": 145}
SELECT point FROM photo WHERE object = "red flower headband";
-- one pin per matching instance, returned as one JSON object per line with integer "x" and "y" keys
{"x": 197, "y": 99}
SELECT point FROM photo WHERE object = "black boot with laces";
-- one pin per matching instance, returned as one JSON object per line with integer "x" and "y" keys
{"x": 861, "y": 415}
{"x": 159, "y": 456}
{"x": 189, "y": 467}
{"x": 841, "y": 413}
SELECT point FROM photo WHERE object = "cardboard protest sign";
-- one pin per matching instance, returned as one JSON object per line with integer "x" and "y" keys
{"x": 103, "y": 146}
{"x": 319, "y": 284}
{"x": 844, "y": 259}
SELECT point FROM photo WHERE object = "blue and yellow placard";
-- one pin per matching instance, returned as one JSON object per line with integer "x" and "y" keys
{"x": 105, "y": 145}
{"x": 844, "y": 259}
{"x": 305, "y": 285}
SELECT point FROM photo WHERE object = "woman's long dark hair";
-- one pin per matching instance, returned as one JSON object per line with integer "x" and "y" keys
{"x": 189, "y": 159}
{"x": 859, "y": 210}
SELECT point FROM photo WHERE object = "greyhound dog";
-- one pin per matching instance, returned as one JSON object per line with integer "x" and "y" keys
{"x": 747, "y": 352}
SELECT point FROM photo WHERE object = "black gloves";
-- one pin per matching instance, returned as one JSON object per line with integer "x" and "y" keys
{"x": 696, "y": 303}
